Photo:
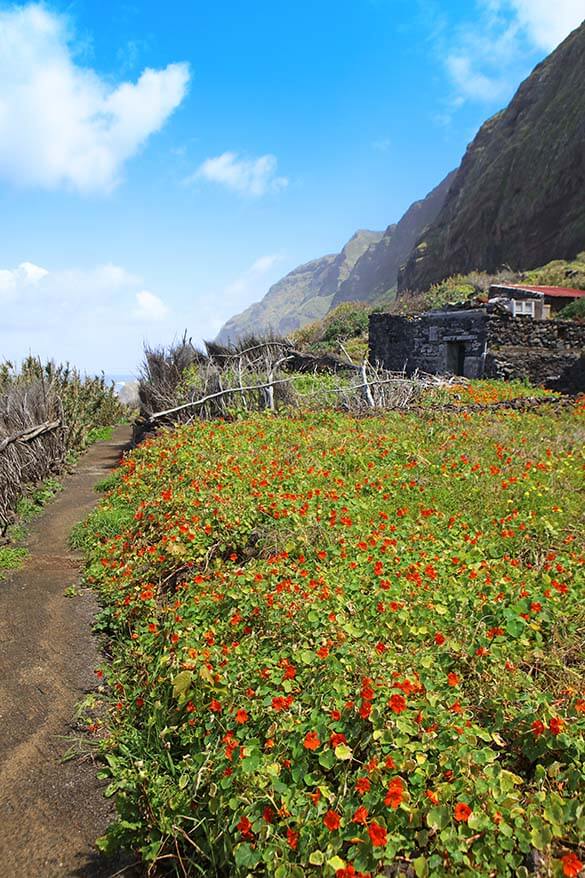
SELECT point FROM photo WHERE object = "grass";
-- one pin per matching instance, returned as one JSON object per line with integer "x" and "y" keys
{"x": 11, "y": 558}
{"x": 345, "y": 646}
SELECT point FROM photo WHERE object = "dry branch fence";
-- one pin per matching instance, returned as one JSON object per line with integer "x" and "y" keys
{"x": 182, "y": 383}
{"x": 46, "y": 411}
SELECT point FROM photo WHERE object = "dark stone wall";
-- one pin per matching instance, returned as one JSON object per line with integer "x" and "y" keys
{"x": 491, "y": 346}
{"x": 554, "y": 335}
{"x": 544, "y": 352}
{"x": 430, "y": 342}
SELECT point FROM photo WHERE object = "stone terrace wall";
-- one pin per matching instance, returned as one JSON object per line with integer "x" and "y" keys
{"x": 557, "y": 335}
{"x": 540, "y": 351}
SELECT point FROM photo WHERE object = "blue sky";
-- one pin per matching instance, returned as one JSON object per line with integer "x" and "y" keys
{"x": 162, "y": 164}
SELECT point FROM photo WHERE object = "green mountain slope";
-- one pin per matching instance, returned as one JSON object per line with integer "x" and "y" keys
{"x": 519, "y": 196}
{"x": 376, "y": 272}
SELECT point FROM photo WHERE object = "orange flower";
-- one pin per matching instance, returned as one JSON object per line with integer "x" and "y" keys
{"x": 378, "y": 835}
{"x": 360, "y": 816}
{"x": 462, "y": 812}
{"x": 432, "y": 797}
{"x": 572, "y": 865}
{"x": 362, "y": 785}
{"x": 397, "y": 703}
{"x": 311, "y": 741}
{"x": 395, "y": 793}
{"x": 241, "y": 716}
{"x": 332, "y": 820}
{"x": 555, "y": 725}
{"x": 453, "y": 679}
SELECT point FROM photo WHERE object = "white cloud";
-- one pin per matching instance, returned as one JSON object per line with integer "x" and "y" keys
{"x": 249, "y": 284}
{"x": 546, "y": 22}
{"x": 91, "y": 317}
{"x": 472, "y": 83}
{"x": 265, "y": 263}
{"x": 62, "y": 124}
{"x": 247, "y": 176}
{"x": 150, "y": 307}
{"x": 382, "y": 145}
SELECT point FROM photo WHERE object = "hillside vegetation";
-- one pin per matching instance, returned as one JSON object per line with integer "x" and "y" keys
{"x": 347, "y": 647}
{"x": 348, "y": 323}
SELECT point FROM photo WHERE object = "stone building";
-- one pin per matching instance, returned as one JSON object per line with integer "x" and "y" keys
{"x": 477, "y": 343}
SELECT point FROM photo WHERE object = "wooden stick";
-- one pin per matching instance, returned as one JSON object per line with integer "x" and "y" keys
{"x": 30, "y": 433}
{"x": 205, "y": 399}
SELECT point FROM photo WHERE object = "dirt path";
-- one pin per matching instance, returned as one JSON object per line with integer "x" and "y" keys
{"x": 50, "y": 811}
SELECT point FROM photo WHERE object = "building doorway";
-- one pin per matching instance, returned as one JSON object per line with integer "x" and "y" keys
{"x": 456, "y": 357}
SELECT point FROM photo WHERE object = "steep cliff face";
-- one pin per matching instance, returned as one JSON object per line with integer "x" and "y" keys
{"x": 376, "y": 271}
{"x": 518, "y": 197}
{"x": 304, "y": 295}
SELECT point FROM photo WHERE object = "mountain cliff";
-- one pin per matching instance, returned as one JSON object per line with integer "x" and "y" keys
{"x": 304, "y": 295}
{"x": 376, "y": 271}
{"x": 518, "y": 196}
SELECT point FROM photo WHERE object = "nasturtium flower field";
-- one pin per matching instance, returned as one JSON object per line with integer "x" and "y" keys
{"x": 347, "y": 646}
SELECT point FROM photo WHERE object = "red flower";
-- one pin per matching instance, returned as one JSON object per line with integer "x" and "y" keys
{"x": 362, "y": 785}
{"x": 332, "y": 820}
{"x": 537, "y": 727}
{"x": 245, "y": 827}
{"x": 337, "y": 738}
{"x": 292, "y": 838}
{"x": 462, "y": 812}
{"x": 360, "y": 816}
{"x": 397, "y": 703}
{"x": 453, "y": 679}
{"x": 378, "y": 835}
{"x": 439, "y": 638}
{"x": 389, "y": 763}
{"x": 268, "y": 815}
{"x": 311, "y": 741}
{"x": 241, "y": 716}
{"x": 556, "y": 725}
{"x": 395, "y": 793}
{"x": 432, "y": 797}
{"x": 572, "y": 865}
{"x": 215, "y": 706}
{"x": 365, "y": 709}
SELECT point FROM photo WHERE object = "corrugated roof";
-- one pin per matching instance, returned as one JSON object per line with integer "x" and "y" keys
{"x": 555, "y": 292}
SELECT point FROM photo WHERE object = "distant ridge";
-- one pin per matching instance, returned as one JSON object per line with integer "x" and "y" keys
{"x": 304, "y": 295}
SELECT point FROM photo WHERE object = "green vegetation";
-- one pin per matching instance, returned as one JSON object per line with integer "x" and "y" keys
{"x": 345, "y": 647}
{"x": 13, "y": 555}
{"x": 574, "y": 311}
{"x": 559, "y": 273}
{"x": 11, "y": 558}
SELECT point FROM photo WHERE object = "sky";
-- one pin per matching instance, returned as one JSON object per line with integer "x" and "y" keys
{"x": 161, "y": 165}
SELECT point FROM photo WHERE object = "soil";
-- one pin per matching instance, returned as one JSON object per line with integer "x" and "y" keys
{"x": 51, "y": 811}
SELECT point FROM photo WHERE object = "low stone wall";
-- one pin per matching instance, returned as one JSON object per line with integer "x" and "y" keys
{"x": 557, "y": 335}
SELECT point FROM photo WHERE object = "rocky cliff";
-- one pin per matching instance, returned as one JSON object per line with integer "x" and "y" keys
{"x": 376, "y": 271}
{"x": 518, "y": 196}
{"x": 304, "y": 295}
